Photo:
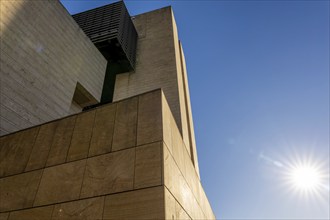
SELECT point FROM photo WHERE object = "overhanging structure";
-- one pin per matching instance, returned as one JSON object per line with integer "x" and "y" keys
{"x": 111, "y": 30}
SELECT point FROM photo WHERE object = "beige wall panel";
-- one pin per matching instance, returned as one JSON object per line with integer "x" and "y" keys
{"x": 87, "y": 209}
{"x": 173, "y": 209}
{"x": 109, "y": 173}
{"x": 160, "y": 64}
{"x": 150, "y": 118}
{"x": 103, "y": 130}
{"x": 148, "y": 165}
{"x": 60, "y": 183}
{"x": 41, "y": 148}
{"x": 4, "y": 216}
{"x": 15, "y": 151}
{"x": 124, "y": 135}
{"x": 176, "y": 183}
{"x": 41, "y": 213}
{"x": 191, "y": 176}
{"x": 169, "y": 205}
{"x": 44, "y": 59}
{"x": 19, "y": 191}
{"x": 155, "y": 63}
{"x": 61, "y": 141}
{"x": 181, "y": 92}
{"x": 179, "y": 188}
{"x": 190, "y": 121}
{"x": 81, "y": 137}
{"x": 168, "y": 121}
{"x": 152, "y": 163}
{"x": 178, "y": 149}
{"x": 138, "y": 204}
{"x": 181, "y": 213}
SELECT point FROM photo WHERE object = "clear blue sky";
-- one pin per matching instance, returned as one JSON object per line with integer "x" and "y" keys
{"x": 259, "y": 84}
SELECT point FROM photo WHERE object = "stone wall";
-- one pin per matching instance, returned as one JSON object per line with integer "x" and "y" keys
{"x": 160, "y": 64}
{"x": 44, "y": 54}
{"x": 124, "y": 160}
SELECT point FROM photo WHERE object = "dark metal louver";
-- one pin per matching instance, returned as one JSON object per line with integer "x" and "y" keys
{"x": 112, "y": 31}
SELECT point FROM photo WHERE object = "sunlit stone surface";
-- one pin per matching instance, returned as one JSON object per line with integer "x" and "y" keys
{"x": 134, "y": 158}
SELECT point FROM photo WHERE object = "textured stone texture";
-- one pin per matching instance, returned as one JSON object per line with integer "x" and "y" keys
{"x": 61, "y": 141}
{"x": 109, "y": 173}
{"x": 43, "y": 55}
{"x": 149, "y": 118}
{"x": 139, "y": 204}
{"x": 156, "y": 62}
{"x": 15, "y": 151}
{"x": 148, "y": 165}
{"x": 125, "y": 124}
{"x": 167, "y": 122}
{"x": 41, "y": 213}
{"x": 41, "y": 148}
{"x": 178, "y": 150}
{"x": 19, "y": 191}
{"x": 60, "y": 183}
{"x": 154, "y": 180}
{"x": 190, "y": 122}
{"x": 81, "y": 137}
{"x": 160, "y": 64}
{"x": 103, "y": 130}
{"x": 4, "y": 216}
{"x": 173, "y": 209}
{"x": 184, "y": 189}
{"x": 89, "y": 209}
{"x": 133, "y": 159}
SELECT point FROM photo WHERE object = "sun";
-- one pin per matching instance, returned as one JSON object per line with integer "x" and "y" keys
{"x": 305, "y": 177}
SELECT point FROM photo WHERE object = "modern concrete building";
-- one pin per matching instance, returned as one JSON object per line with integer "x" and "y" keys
{"x": 96, "y": 119}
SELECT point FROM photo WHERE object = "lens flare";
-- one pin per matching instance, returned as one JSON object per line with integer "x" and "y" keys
{"x": 305, "y": 177}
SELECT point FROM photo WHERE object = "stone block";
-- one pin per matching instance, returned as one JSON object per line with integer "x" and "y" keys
{"x": 110, "y": 173}
{"x": 41, "y": 148}
{"x": 81, "y": 137}
{"x": 176, "y": 184}
{"x": 19, "y": 191}
{"x": 148, "y": 165}
{"x": 168, "y": 122}
{"x": 138, "y": 204}
{"x": 180, "y": 213}
{"x": 61, "y": 183}
{"x": 103, "y": 130}
{"x": 89, "y": 209}
{"x": 61, "y": 141}
{"x": 15, "y": 151}
{"x": 125, "y": 124}
{"x": 149, "y": 118}
{"x": 173, "y": 209}
{"x": 169, "y": 205}
{"x": 178, "y": 149}
{"x": 40, "y": 213}
{"x": 4, "y": 216}
{"x": 191, "y": 175}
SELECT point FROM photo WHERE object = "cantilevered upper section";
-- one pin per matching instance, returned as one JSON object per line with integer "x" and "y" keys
{"x": 112, "y": 31}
